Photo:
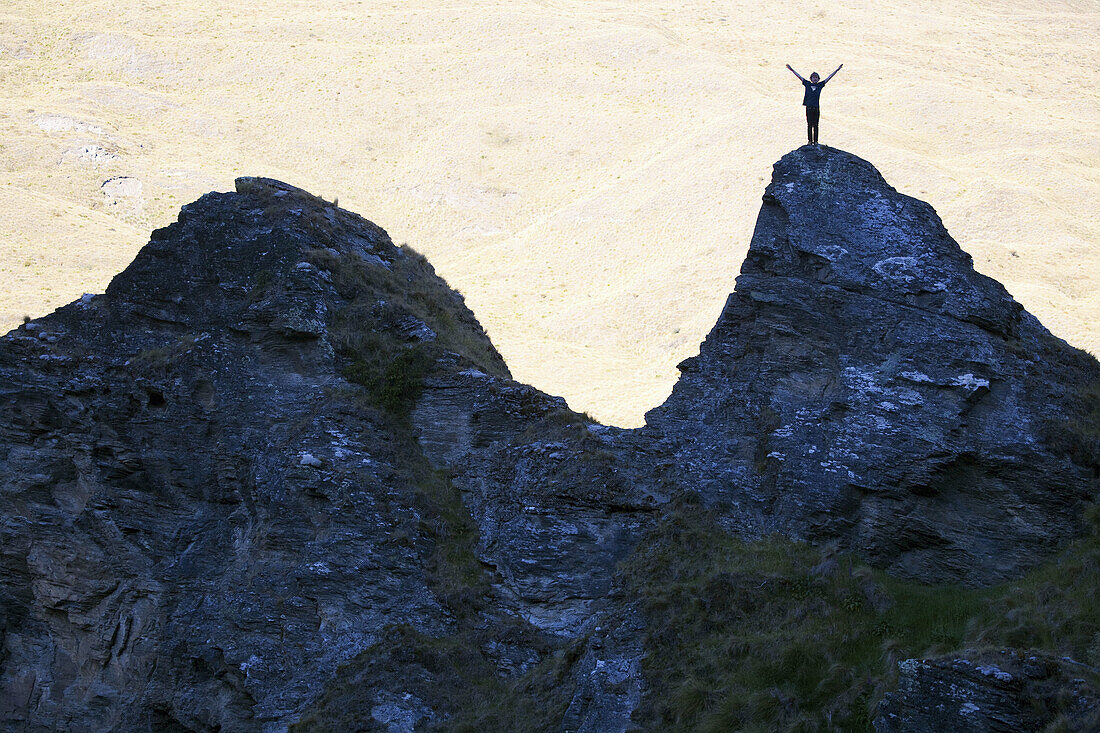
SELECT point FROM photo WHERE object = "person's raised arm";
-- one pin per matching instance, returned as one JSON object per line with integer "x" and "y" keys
{"x": 799, "y": 75}
{"x": 830, "y": 76}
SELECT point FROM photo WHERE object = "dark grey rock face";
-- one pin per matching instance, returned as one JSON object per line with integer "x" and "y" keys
{"x": 201, "y": 518}
{"x": 990, "y": 692}
{"x": 865, "y": 383}
{"x": 278, "y": 474}
{"x": 559, "y": 502}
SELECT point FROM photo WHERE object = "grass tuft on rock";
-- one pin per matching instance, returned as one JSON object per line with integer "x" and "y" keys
{"x": 401, "y": 318}
{"x": 1073, "y": 426}
{"x": 393, "y": 375}
{"x": 384, "y": 295}
{"x": 1076, "y": 432}
{"x": 454, "y": 572}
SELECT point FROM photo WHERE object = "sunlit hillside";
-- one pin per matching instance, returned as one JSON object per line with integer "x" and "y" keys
{"x": 587, "y": 173}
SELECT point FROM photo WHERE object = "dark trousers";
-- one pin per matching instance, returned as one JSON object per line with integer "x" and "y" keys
{"x": 813, "y": 114}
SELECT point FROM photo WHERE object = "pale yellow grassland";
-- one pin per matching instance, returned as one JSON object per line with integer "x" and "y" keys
{"x": 587, "y": 173}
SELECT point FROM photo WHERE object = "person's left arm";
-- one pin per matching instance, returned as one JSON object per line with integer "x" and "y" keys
{"x": 797, "y": 74}
{"x": 830, "y": 76}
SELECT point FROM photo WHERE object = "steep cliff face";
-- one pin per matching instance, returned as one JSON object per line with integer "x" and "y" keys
{"x": 278, "y": 476}
{"x": 209, "y": 500}
{"x": 864, "y": 383}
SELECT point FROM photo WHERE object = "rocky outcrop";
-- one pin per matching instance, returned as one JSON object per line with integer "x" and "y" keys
{"x": 983, "y": 693}
{"x": 278, "y": 476}
{"x": 864, "y": 383}
{"x": 202, "y": 517}
{"x": 559, "y": 502}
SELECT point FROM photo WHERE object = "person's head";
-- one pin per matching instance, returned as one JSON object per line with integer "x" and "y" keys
{"x": 814, "y": 77}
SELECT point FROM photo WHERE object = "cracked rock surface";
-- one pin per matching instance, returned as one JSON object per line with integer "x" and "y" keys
{"x": 990, "y": 691}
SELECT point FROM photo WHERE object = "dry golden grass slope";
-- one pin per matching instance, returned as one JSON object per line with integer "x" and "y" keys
{"x": 587, "y": 172}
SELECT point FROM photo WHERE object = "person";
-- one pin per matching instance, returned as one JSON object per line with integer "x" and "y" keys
{"x": 811, "y": 100}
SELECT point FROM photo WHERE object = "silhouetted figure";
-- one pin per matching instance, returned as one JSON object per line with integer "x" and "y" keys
{"x": 811, "y": 100}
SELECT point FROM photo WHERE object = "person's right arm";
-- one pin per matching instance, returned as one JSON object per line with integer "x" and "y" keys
{"x": 795, "y": 73}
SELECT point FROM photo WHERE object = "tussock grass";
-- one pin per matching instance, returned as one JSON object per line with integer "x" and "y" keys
{"x": 159, "y": 358}
{"x": 393, "y": 375}
{"x": 381, "y": 296}
{"x": 1074, "y": 429}
{"x": 1053, "y": 608}
{"x": 779, "y": 635}
{"x": 454, "y": 572}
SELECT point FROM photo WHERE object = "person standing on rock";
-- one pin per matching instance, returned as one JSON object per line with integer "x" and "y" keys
{"x": 811, "y": 100}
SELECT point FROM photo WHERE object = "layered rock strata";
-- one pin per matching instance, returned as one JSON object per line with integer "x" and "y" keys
{"x": 992, "y": 691}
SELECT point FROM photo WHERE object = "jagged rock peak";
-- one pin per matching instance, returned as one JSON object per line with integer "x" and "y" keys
{"x": 226, "y": 247}
{"x": 836, "y": 221}
{"x": 211, "y": 499}
{"x": 864, "y": 383}
{"x": 273, "y": 258}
